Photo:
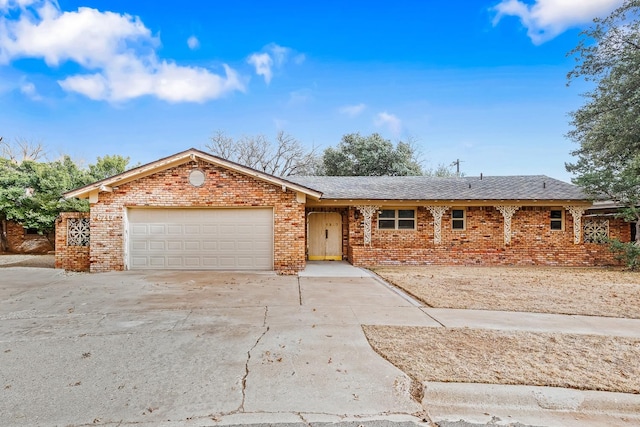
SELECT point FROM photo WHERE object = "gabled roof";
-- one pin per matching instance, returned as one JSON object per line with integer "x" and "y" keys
{"x": 535, "y": 187}
{"x": 178, "y": 159}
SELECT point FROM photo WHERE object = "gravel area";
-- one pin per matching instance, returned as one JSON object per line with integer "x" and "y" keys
{"x": 25, "y": 260}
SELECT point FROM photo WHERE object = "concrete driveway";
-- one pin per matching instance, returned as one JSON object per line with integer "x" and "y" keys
{"x": 194, "y": 348}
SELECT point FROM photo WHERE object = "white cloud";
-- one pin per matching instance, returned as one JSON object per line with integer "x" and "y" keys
{"x": 392, "y": 122}
{"x": 545, "y": 19}
{"x": 193, "y": 43}
{"x": 30, "y": 90}
{"x": 263, "y": 64}
{"x": 15, "y": 4}
{"x": 118, "y": 52}
{"x": 352, "y": 110}
{"x": 272, "y": 57}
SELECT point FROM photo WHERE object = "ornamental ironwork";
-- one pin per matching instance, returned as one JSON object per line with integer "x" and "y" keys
{"x": 437, "y": 212}
{"x": 507, "y": 212}
{"x": 576, "y": 212}
{"x": 367, "y": 214}
{"x": 78, "y": 232}
{"x": 595, "y": 230}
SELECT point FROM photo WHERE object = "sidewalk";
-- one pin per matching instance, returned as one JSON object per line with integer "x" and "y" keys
{"x": 535, "y": 322}
{"x": 449, "y": 404}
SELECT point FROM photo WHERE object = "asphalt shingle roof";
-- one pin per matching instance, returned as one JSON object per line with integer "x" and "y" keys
{"x": 533, "y": 187}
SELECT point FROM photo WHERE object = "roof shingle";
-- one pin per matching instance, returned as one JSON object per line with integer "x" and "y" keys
{"x": 533, "y": 187}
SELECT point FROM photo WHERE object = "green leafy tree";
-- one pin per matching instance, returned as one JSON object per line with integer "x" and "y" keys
{"x": 607, "y": 126}
{"x": 108, "y": 166}
{"x": 357, "y": 155}
{"x": 31, "y": 192}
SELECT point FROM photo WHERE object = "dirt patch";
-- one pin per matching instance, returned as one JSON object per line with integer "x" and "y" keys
{"x": 22, "y": 260}
{"x": 584, "y": 362}
{"x": 584, "y": 291}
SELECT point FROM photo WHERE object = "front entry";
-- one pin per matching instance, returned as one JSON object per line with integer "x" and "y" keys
{"x": 325, "y": 236}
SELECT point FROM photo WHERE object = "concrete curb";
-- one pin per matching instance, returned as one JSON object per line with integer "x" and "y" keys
{"x": 491, "y": 397}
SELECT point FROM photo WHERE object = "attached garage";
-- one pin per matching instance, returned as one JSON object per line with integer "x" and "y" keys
{"x": 188, "y": 211}
{"x": 200, "y": 239}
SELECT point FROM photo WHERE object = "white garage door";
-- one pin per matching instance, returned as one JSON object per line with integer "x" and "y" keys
{"x": 201, "y": 239}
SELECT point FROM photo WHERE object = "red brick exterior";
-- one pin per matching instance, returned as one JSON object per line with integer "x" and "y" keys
{"x": 482, "y": 242}
{"x": 222, "y": 188}
{"x": 533, "y": 242}
{"x": 71, "y": 258}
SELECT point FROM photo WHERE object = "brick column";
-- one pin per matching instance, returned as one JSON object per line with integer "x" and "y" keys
{"x": 70, "y": 255}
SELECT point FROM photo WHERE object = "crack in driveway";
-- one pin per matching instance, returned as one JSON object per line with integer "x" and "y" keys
{"x": 246, "y": 369}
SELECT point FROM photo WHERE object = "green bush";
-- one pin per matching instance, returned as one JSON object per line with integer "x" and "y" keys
{"x": 627, "y": 252}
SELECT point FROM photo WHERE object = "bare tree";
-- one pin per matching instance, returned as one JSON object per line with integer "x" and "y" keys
{"x": 22, "y": 149}
{"x": 286, "y": 156}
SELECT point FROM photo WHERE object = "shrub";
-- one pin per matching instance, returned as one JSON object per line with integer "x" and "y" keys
{"x": 627, "y": 252}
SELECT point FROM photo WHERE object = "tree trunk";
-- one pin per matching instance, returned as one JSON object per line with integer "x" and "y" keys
{"x": 3, "y": 236}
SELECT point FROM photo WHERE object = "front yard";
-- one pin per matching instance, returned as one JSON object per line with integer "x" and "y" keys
{"x": 586, "y": 362}
{"x": 584, "y": 291}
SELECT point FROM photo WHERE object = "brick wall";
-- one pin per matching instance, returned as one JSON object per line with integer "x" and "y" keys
{"x": 18, "y": 241}
{"x": 70, "y": 257}
{"x": 222, "y": 188}
{"x": 482, "y": 242}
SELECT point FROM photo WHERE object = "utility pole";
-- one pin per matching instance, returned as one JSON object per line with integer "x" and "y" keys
{"x": 457, "y": 165}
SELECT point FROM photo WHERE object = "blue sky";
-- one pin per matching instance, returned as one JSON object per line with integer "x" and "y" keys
{"x": 480, "y": 81}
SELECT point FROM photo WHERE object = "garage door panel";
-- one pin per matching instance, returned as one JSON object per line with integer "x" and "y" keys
{"x": 192, "y": 261}
{"x": 209, "y": 262}
{"x": 139, "y": 261}
{"x": 156, "y": 261}
{"x": 209, "y": 245}
{"x": 209, "y": 229}
{"x": 174, "y": 229}
{"x": 157, "y": 229}
{"x": 140, "y": 245}
{"x": 157, "y": 245}
{"x": 139, "y": 229}
{"x": 174, "y": 245}
{"x": 192, "y": 246}
{"x": 201, "y": 239}
{"x": 227, "y": 245}
{"x": 192, "y": 229}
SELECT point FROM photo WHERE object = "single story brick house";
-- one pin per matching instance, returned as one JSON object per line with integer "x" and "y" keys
{"x": 196, "y": 211}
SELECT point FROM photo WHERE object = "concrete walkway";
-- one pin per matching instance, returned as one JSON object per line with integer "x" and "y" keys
{"x": 333, "y": 269}
{"x": 535, "y": 322}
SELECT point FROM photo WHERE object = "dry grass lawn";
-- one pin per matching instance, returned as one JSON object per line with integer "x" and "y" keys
{"x": 583, "y": 362}
{"x": 584, "y": 291}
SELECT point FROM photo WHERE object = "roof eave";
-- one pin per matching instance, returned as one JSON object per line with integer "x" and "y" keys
{"x": 178, "y": 159}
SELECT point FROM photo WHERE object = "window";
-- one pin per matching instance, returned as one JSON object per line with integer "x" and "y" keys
{"x": 397, "y": 219}
{"x": 458, "y": 219}
{"x": 557, "y": 217}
